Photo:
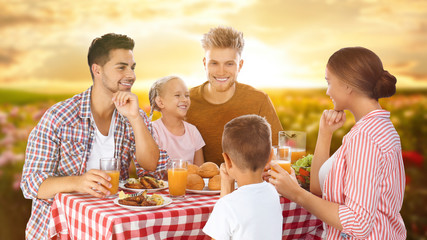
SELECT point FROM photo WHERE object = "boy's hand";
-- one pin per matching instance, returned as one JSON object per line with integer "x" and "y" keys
{"x": 227, "y": 182}
{"x": 224, "y": 174}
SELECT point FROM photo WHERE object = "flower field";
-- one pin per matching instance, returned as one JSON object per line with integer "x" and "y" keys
{"x": 297, "y": 110}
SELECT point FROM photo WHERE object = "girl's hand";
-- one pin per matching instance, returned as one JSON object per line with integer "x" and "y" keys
{"x": 286, "y": 184}
{"x": 331, "y": 120}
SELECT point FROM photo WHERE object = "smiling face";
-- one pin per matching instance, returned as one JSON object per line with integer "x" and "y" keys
{"x": 337, "y": 91}
{"x": 222, "y": 66}
{"x": 174, "y": 98}
{"x": 118, "y": 73}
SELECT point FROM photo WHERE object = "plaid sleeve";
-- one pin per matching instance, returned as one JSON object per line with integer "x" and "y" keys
{"x": 163, "y": 158}
{"x": 41, "y": 157}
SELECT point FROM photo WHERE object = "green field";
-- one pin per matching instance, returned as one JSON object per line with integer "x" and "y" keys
{"x": 297, "y": 110}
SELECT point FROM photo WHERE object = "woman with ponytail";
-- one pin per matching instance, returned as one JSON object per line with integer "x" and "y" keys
{"x": 358, "y": 191}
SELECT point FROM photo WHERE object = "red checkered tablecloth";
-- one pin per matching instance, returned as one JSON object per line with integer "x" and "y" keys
{"x": 79, "y": 216}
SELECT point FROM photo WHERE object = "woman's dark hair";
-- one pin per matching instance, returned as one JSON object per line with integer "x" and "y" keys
{"x": 361, "y": 68}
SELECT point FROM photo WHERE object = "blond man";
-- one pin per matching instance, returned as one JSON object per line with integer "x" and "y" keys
{"x": 221, "y": 98}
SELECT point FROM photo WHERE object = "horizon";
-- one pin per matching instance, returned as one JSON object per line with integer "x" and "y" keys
{"x": 287, "y": 43}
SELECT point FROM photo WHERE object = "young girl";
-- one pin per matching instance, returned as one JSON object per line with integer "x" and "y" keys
{"x": 363, "y": 182}
{"x": 170, "y": 96}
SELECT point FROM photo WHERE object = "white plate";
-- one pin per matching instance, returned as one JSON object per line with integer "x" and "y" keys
{"x": 205, "y": 190}
{"x": 139, "y": 208}
{"x": 122, "y": 185}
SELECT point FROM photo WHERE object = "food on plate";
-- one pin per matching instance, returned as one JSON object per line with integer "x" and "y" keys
{"x": 208, "y": 170}
{"x": 191, "y": 168}
{"x": 195, "y": 182}
{"x": 123, "y": 195}
{"x": 141, "y": 200}
{"x": 157, "y": 199}
{"x": 215, "y": 183}
{"x": 145, "y": 182}
{"x": 302, "y": 169}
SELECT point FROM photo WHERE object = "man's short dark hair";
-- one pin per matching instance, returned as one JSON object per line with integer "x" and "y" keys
{"x": 100, "y": 48}
{"x": 247, "y": 140}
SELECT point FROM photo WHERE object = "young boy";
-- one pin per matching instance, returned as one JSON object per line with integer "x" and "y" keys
{"x": 253, "y": 211}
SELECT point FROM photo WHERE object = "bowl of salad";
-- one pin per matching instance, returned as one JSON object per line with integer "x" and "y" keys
{"x": 302, "y": 168}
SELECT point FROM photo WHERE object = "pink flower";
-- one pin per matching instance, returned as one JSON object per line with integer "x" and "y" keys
{"x": 14, "y": 112}
{"x": 3, "y": 118}
{"x": 17, "y": 181}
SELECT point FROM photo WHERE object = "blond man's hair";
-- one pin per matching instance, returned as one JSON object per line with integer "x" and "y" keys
{"x": 223, "y": 37}
{"x": 247, "y": 141}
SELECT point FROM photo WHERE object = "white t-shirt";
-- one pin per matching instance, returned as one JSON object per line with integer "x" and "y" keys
{"x": 102, "y": 146}
{"x": 325, "y": 169}
{"x": 178, "y": 147}
{"x": 250, "y": 212}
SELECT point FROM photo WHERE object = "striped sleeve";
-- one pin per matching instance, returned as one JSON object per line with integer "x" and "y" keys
{"x": 361, "y": 192}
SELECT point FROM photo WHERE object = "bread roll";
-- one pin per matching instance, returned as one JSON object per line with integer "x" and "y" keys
{"x": 191, "y": 168}
{"x": 195, "y": 182}
{"x": 215, "y": 183}
{"x": 208, "y": 170}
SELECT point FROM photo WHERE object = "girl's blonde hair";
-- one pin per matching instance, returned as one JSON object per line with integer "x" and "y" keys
{"x": 156, "y": 90}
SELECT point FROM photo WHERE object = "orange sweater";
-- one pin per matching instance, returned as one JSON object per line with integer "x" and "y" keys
{"x": 210, "y": 118}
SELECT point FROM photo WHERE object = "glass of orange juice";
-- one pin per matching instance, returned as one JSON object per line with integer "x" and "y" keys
{"x": 282, "y": 156}
{"x": 111, "y": 166}
{"x": 296, "y": 141}
{"x": 177, "y": 178}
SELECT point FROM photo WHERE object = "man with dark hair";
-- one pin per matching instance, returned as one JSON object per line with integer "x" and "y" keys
{"x": 64, "y": 149}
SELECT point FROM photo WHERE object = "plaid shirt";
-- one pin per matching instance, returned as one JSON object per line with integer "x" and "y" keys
{"x": 60, "y": 145}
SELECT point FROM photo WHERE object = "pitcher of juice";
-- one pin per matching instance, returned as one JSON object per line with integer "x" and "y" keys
{"x": 296, "y": 141}
{"x": 177, "y": 178}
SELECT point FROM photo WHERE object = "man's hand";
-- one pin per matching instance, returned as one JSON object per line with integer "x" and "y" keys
{"x": 94, "y": 182}
{"x": 127, "y": 104}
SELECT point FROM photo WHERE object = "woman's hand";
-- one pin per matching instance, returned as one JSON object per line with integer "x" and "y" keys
{"x": 266, "y": 175}
{"x": 331, "y": 120}
{"x": 286, "y": 184}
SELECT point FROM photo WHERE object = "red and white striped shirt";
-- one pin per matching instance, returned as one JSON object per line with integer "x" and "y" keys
{"x": 368, "y": 181}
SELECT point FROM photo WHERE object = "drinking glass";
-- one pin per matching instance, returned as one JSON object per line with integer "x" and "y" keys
{"x": 111, "y": 166}
{"x": 177, "y": 178}
{"x": 296, "y": 141}
{"x": 282, "y": 156}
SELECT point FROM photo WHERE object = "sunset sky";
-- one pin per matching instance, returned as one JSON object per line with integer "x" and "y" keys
{"x": 44, "y": 44}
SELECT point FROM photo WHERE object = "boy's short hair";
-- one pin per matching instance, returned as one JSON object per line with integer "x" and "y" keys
{"x": 99, "y": 50}
{"x": 223, "y": 37}
{"x": 247, "y": 140}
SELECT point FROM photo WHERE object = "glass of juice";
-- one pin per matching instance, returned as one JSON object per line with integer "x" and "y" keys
{"x": 296, "y": 141}
{"x": 111, "y": 166}
{"x": 177, "y": 178}
{"x": 282, "y": 156}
